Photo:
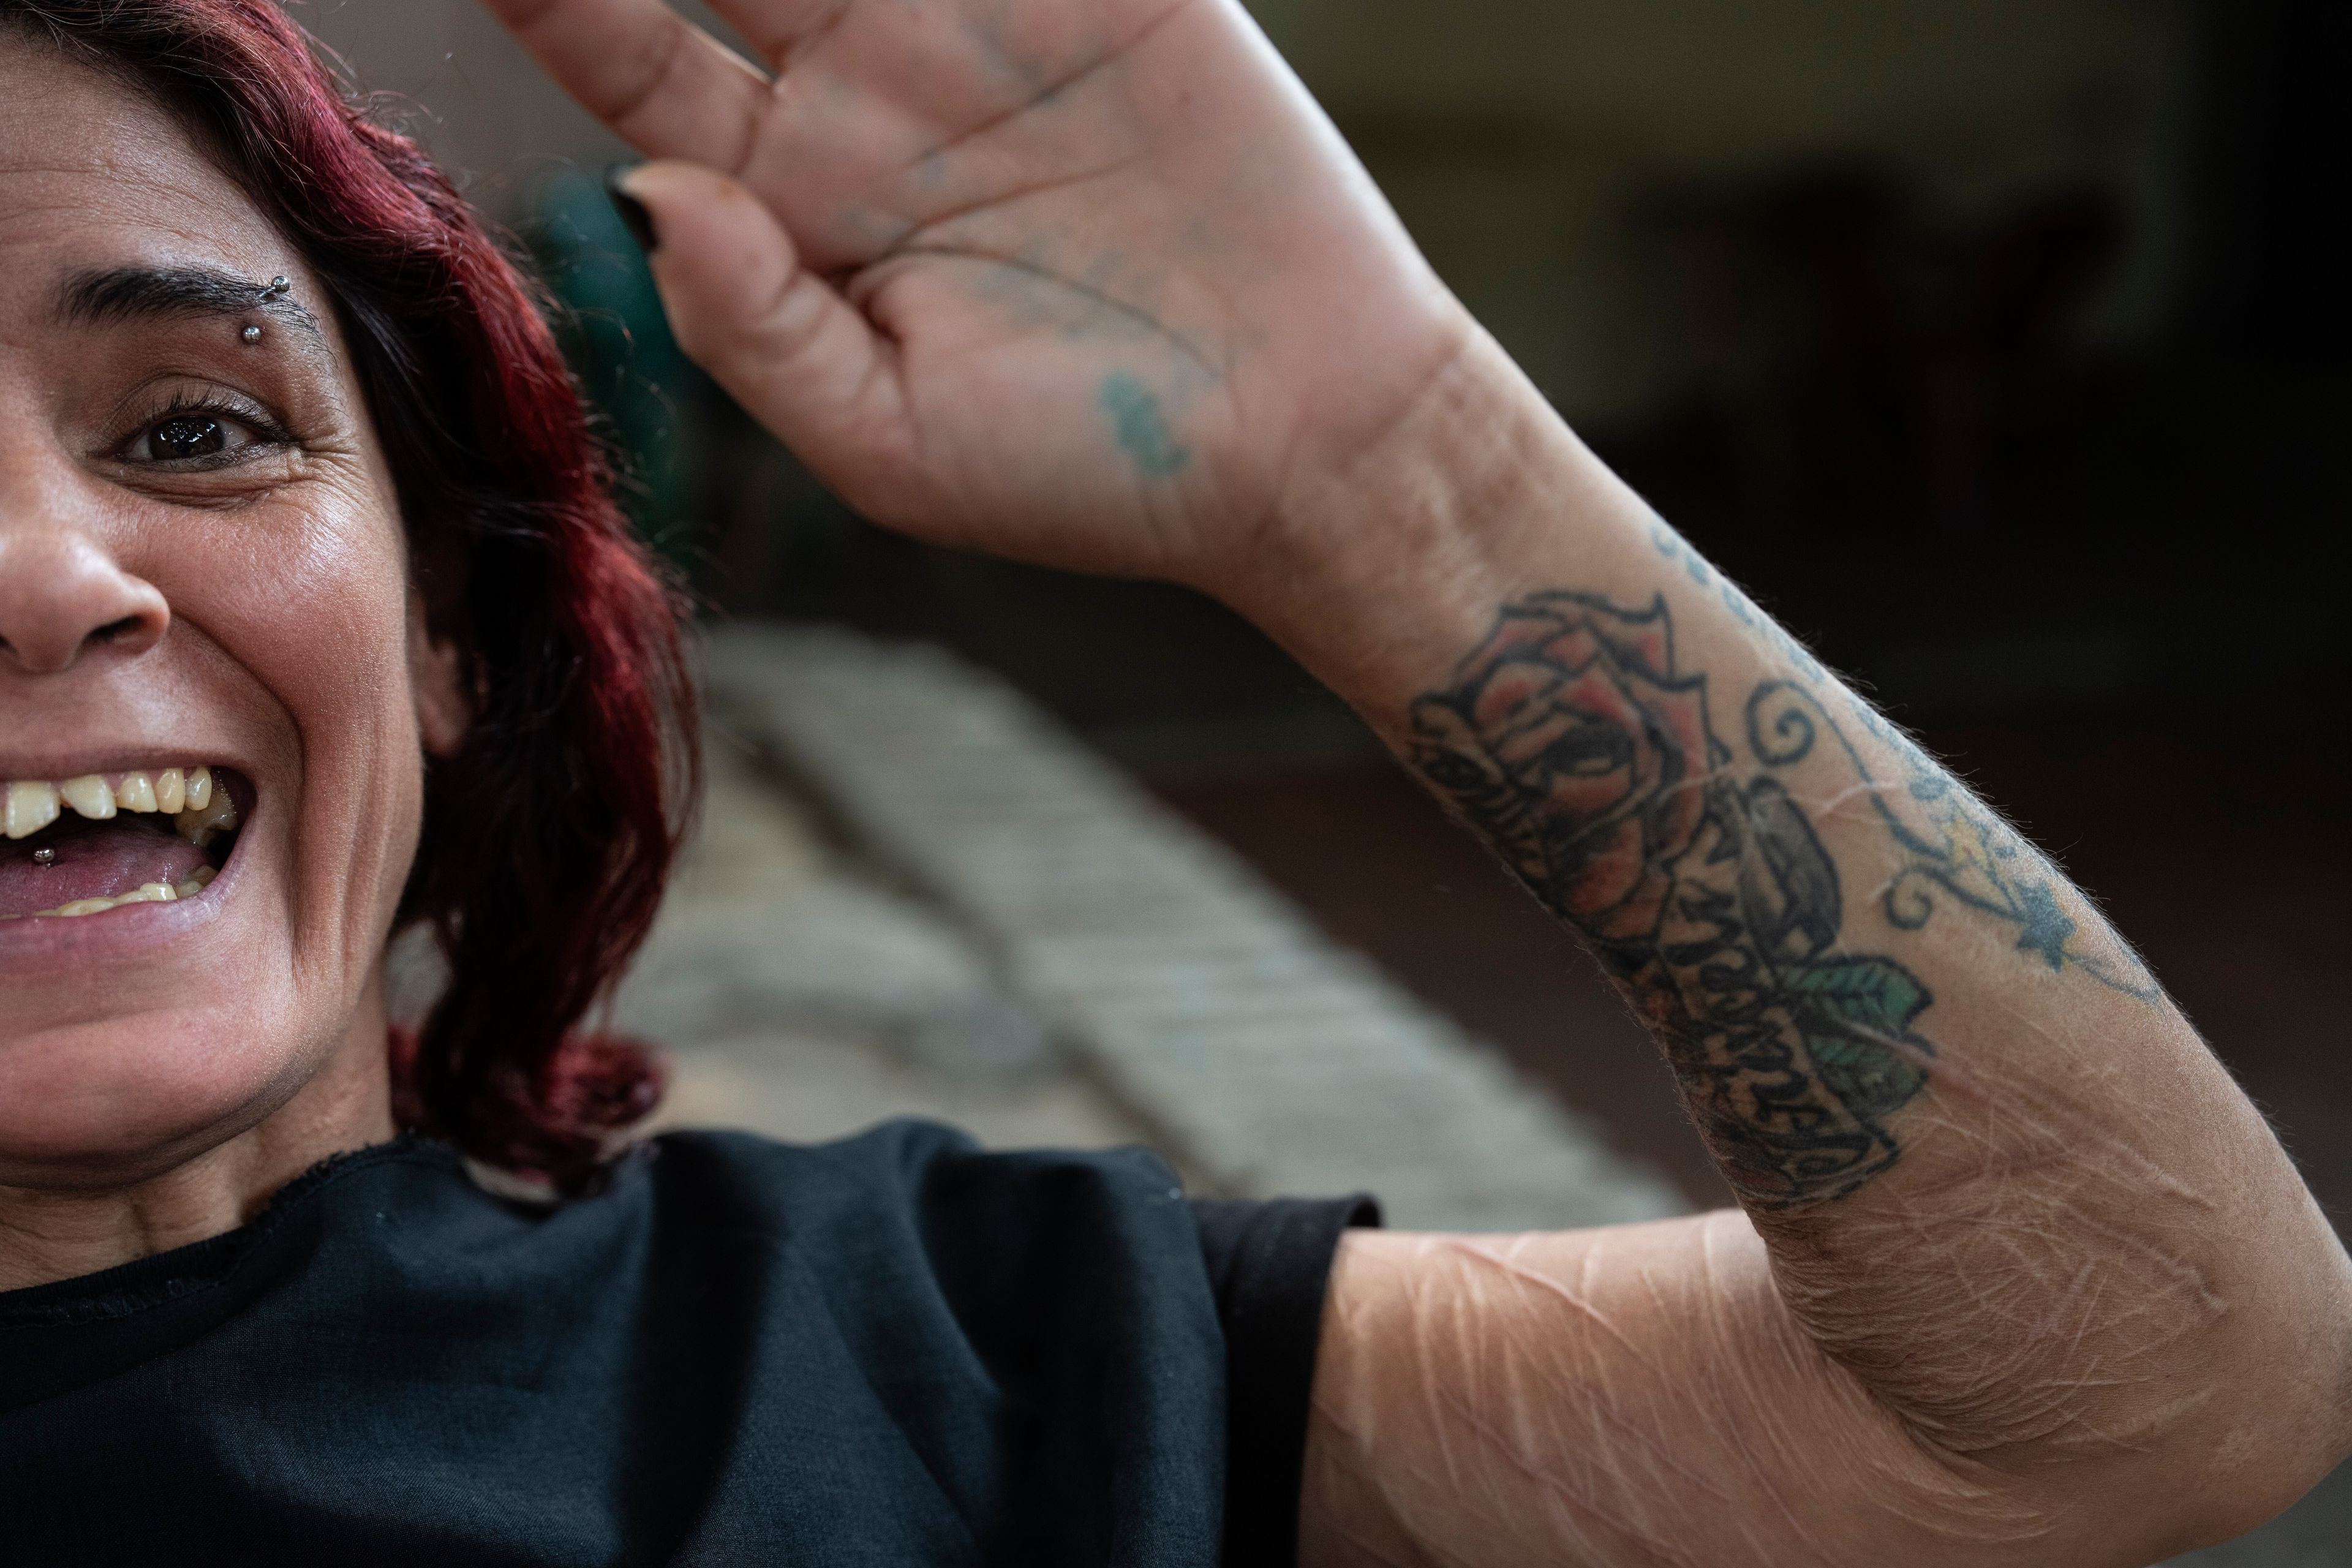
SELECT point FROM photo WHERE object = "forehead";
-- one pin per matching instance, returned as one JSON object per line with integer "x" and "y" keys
{"x": 95, "y": 176}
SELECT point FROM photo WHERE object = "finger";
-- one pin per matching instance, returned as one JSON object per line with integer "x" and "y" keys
{"x": 666, "y": 86}
{"x": 791, "y": 351}
{"x": 779, "y": 29}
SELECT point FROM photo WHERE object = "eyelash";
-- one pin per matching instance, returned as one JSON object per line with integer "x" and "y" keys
{"x": 268, "y": 431}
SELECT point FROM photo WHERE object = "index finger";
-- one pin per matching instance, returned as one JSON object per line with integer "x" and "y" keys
{"x": 668, "y": 87}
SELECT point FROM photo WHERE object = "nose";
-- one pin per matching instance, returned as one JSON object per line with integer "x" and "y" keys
{"x": 63, "y": 598}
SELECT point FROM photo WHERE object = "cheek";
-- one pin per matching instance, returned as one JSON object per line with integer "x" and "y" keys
{"x": 311, "y": 609}
{"x": 318, "y": 614}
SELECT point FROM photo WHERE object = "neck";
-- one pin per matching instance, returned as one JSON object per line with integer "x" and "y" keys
{"x": 51, "y": 1234}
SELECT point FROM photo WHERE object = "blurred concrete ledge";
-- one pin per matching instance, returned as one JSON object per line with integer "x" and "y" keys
{"x": 1023, "y": 904}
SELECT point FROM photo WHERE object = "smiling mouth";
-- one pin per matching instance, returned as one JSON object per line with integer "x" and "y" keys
{"x": 83, "y": 846}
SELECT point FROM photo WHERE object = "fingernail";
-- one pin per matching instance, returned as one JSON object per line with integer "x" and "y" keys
{"x": 639, "y": 222}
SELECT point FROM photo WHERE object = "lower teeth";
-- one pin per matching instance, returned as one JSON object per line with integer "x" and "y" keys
{"x": 150, "y": 893}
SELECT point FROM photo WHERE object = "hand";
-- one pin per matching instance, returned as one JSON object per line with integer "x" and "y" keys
{"x": 1088, "y": 282}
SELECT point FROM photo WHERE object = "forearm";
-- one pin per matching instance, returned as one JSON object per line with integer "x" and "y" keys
{"x": 2001, "y": 1180}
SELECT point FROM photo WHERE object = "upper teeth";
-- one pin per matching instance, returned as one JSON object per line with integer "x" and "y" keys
{"x": 199, "y": 810}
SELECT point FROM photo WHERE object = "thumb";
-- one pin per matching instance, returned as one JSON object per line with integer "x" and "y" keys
{"x": 781, "y": 340}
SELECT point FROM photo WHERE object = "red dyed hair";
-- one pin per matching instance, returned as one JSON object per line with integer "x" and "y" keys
{"x": 549, "y": 837}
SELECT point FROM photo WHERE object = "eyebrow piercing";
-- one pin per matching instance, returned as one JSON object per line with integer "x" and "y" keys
{"x": 277, "y": 288}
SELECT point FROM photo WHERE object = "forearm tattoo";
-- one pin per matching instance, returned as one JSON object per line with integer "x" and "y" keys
{"x": 1586, "y": 755}
{"x": 1950, "y": 843}
{"x": 1572, "y": 742}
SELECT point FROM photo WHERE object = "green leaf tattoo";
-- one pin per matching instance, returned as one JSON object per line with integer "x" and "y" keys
{"x": 1856, "y": 1013}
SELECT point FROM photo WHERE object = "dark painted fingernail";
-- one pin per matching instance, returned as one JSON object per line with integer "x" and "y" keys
{"x": 640, "y": 222}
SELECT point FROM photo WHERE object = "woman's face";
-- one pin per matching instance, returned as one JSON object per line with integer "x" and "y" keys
{"x": 201, "y": 566}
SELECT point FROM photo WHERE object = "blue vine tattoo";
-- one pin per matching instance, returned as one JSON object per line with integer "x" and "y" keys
{"x": 1741, "y": 608}
{"x": 1575, "y": 744}
{"x": 1952, "y": 844}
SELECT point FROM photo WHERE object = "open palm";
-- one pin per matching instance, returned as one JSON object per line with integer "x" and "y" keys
{"x": 1090, "y": 282}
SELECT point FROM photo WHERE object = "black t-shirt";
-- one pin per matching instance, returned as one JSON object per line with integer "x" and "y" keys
{"x": 896, "y": 1348}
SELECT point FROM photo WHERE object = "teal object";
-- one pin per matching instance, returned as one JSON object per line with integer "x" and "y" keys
{"x": 647, "y": 394}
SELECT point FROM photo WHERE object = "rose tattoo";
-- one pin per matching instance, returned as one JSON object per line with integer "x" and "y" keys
{"x": 1570, "y": 740}
{"x": 1570, "y": 743}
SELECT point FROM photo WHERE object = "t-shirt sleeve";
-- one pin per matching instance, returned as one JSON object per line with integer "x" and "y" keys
{"x": 1269, "y": 1264}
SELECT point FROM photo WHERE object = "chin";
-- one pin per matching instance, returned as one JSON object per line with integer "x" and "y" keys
{"x": 112, "y": 1103}
{"x": 140, "y": 1029}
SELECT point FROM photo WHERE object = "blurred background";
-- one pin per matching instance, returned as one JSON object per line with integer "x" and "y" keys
{"x": 1997, "y": 345}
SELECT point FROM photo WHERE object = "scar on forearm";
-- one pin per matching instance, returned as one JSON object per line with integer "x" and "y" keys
{"x": 1140, "y": 427}
{"x": 1952, "y": 844}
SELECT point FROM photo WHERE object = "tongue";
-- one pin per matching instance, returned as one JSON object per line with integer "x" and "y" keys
{"x": 103, "y": 860}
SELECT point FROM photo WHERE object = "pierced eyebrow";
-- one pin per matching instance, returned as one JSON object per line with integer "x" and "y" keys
{"x": 116, "y": 295}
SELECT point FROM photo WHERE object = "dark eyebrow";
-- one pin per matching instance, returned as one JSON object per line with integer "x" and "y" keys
{"x": 114, "y": 296}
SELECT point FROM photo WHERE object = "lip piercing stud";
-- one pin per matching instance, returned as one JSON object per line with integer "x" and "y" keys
{"x": 44, "y": 856}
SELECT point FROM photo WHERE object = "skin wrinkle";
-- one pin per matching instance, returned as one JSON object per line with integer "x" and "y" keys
{"x": 1108, "y": 303}
{"x": 1054, "y": 87}
{"x": 2170, "y": 1302}
{"x": 1829, "y": 805}
{"x": 1717, "y": 1289}
{"x": 1435, "y": 388}
{"x": 784, "y": 52}
{"x": 1947, "y": 1497}
{"x": 2145, "y": 1173}
{"x": 1384, "y": 1479}
{"x": 1724, "y": 1418}
{"x": 1596, "y": 1402}
{"x": 680, "y": 39}
{"x": 918, "y": 238}
{"x": 1363, "y": 1551}
{"x": 1585, "y": 1505}
{"x": 1622, "y": 1429}
{"x": 1978, "y": 1398}
{"x": 2005, "y": 1226}
{"x": 1430, "y": 1299}
{"x": 1478, "y": 1250}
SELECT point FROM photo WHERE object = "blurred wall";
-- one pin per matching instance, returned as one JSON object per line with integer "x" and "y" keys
{"x": 487, "y": 110}
{"x": 1522, "y": 138}
{"x": 488, "y": 114}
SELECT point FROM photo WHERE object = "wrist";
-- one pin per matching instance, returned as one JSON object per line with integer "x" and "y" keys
{"x": 1383, "y": 564}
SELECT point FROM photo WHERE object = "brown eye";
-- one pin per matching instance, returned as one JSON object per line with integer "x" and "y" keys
{"x": 186, "y": 435}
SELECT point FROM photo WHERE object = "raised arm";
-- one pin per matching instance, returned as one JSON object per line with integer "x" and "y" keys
{"x": 2022, "y": 1276}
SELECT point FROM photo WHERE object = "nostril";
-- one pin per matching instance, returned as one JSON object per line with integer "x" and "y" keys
{"x": 63, "y": 596}
{"x": 45, "y": 643}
